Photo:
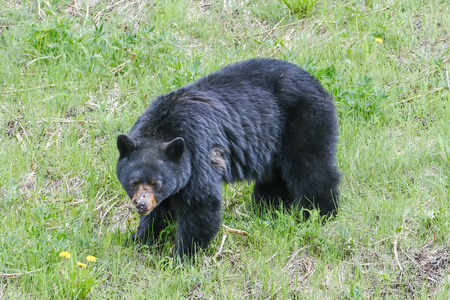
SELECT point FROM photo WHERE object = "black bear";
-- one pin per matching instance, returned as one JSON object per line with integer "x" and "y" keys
{"x": 265, "y": 120}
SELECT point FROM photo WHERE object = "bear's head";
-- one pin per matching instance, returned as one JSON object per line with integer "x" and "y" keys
{"x": 151, "y": 170}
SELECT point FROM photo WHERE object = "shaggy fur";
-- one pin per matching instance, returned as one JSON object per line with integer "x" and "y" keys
{"x": 264, "y": 120}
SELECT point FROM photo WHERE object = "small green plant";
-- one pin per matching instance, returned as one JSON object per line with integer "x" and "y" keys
{"x": 363, "y": 97}
{"x": 78, "y": 277}
{"x": 300, "y": 7}
{"x": 353, "y": 293}
{"x": 51, "y": 39}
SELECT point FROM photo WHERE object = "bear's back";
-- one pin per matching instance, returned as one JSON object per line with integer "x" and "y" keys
{"x": 241, "y": 109}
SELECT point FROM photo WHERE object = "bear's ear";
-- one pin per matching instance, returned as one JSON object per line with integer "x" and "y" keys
{"x": 174, "y": 148}
{"x": 125, "y": 145}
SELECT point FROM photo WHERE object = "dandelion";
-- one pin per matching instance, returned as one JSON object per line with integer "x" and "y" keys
{"x": 64, "y": 254}
{"x": 91, "y": 258}
{"x": 379, "y": 40}
{"x": 81, "y": 264}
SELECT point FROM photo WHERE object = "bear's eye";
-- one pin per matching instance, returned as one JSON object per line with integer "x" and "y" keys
{"x": 156, "y": 184}
{"x": 135, "y": 183}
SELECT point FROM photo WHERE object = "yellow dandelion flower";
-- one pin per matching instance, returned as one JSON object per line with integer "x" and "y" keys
{"x": 91, "y": 258}
{"x": 379, "y": 40}
{"x": 81, "y": 264}
{"x": 64, "y": 254}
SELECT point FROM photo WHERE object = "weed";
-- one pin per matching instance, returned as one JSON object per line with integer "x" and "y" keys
{"x": 77, "y": 277}
{"x": 301, "y": 7}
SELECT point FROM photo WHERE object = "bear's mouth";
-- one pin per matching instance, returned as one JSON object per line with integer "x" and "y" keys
{"x": 144, "y": 200}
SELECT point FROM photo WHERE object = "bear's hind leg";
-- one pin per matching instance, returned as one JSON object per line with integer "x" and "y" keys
{"x": 273, "y": 193}
{"x": 308, "y": 151}
{"x": 313, "y": 181}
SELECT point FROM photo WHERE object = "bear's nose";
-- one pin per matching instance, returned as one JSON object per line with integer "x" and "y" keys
{"x": 141, "y": 206}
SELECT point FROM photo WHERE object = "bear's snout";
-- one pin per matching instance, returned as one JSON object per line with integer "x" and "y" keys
{"x": 144, "y": 200}
{"x": 141, "y": 206}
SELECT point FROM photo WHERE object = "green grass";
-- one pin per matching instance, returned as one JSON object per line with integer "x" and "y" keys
{"x": 75, "y": 74}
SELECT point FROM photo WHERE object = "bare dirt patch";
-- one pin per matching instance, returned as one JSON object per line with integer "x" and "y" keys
{"x": 432, "y": 265}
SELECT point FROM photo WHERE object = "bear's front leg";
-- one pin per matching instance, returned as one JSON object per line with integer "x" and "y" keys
{"x": 198, "y": 223}
{"x": 151, "y": 225}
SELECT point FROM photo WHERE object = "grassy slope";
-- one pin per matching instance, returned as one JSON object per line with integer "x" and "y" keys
{"x": 72, "y": 76}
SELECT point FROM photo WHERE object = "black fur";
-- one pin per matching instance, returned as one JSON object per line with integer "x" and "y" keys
{"x": 262, "y": 119}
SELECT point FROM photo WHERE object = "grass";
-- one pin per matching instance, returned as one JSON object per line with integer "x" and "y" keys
{"x": 75, "y": 74}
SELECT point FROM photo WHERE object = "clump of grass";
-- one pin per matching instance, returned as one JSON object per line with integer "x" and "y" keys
{"x": 300, "y": 7}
